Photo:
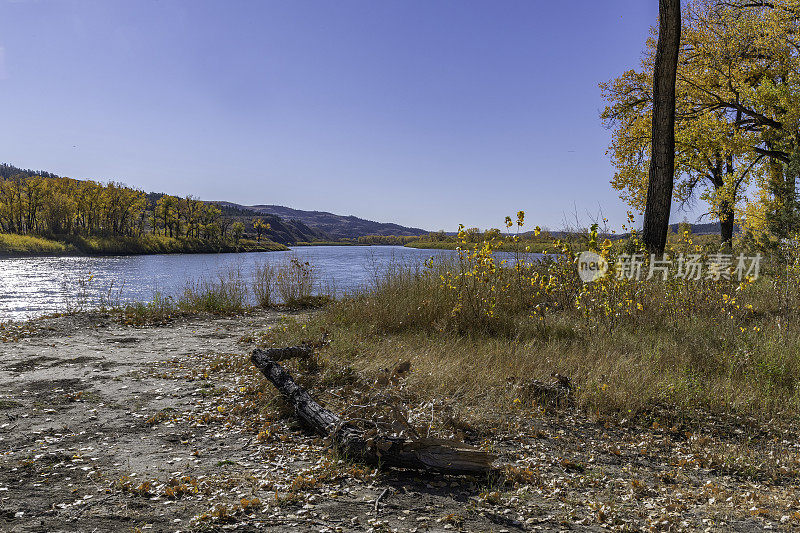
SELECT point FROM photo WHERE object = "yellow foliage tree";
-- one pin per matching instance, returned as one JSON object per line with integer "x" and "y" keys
{"x": 737, "y": 108}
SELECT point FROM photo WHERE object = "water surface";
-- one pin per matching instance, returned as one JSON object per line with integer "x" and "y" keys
{"x": 35, "y": 286}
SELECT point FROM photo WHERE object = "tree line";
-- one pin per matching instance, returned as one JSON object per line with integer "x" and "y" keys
{"x": 50, "y": 205}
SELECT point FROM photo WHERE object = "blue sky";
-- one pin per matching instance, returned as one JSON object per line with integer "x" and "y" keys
{"x": 426, "y": 113}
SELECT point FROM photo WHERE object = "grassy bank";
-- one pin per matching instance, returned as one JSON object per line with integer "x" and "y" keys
{"x": 328, "y": 243}
{"x": 477, "y": 333}
{"x": 22, "y": 245}
{"x": 538, "y": 247}
{"x": 624, "y": 375}
{"x": 158, "y": 244}
{"x": 11, "y": 244}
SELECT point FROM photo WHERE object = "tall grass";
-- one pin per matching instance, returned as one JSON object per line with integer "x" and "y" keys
{"x": 471, "y": 326}
{"x": 264, "y": 284}
{"x": 294, "y": 281}
{"x": 459, "y": 295}
{"x": 287, "y": 284}
{"x": 160, "y": 308}
{"x": 227, "y": 294}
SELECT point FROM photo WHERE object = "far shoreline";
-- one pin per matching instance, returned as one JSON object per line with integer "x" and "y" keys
{"x": 20, "y": 246}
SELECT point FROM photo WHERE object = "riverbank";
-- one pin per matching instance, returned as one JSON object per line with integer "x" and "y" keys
{"x": 12, "y": 245}
{"x": 169, "y": 427}
{"x": 538, "y": 247}
{"x": 329, "y": 243}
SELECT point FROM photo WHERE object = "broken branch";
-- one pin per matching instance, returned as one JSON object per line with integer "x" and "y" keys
{"x": 441, "y": 455}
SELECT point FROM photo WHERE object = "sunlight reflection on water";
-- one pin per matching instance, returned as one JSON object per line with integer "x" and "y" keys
{"x": 37, "y": 286}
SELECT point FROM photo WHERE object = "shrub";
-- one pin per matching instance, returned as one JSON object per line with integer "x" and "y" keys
{"x": 228, "y": 294}
{"x": 294, "y": 281}
{"x": 264, "y": 284}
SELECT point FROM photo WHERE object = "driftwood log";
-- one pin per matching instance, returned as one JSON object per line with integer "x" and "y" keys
{"x": 440, "y": 455}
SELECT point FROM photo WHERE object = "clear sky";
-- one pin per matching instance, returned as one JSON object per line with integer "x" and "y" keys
{"x": 427, "y": 113}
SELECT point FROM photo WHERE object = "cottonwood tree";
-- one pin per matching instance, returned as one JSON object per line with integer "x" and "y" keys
{"x": 714, "y": 159}
{"x": 260, "y": 226}
{"x": 51, "y": 205}
{"x": 237, "y": 229}
{"x": 751, "y": 61}
{"x": 662, "y": 159}
{"x": 736, "y": 116}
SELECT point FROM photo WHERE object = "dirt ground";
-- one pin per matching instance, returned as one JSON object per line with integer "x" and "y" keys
{"x": 107, "y": 427}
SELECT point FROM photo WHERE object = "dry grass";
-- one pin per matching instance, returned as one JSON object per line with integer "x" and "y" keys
{"x": 295, "y": 282}
{"x": 625, "y": 375}
{"x": 667, "y": 347}
{"x": 263, "y": 285}
{"x": 228, "y": 294}
{"x": 13, "y": 244}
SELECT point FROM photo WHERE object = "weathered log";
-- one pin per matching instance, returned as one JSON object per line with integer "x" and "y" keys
{"x": 440, "y": 455}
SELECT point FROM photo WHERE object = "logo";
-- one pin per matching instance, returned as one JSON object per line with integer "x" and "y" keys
{"x": 591, "y": 266}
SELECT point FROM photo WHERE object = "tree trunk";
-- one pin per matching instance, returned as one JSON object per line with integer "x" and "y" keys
{"x": 725, "y": 212}
{"x": 779, "y": 215}
{"x": 726, "y": 223}
{"x": 423, "y": 454}
{"x": 662, "y": 160}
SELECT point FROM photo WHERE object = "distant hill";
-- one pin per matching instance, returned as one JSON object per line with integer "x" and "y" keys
{"x": 335, "y": 226}
{"x": 9, "y": 171}
{"x": 281, "y": 231}
{"x": 710, "y": 228}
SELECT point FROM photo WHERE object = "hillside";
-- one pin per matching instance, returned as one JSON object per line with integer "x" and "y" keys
{"x": 336, "y": 226}
{"x": 280, "y": 231}
{"x": 709, "y": 228}
{"x": 9, "y": 171}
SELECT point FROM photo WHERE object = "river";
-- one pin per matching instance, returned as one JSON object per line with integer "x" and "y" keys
{"x": 36, "y": 286}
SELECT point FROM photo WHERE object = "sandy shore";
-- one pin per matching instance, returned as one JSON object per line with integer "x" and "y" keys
{"x": 87, "y": 403}
{"x": 105, "y": 427}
